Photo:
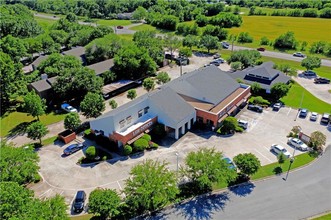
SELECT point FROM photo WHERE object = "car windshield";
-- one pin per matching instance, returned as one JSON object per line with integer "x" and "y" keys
{"x": 300, "y": 142}
{"x": 69, "y": 108}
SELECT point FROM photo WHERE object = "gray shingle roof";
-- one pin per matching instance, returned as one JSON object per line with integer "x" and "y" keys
{"x": 102, "y": 67}
{"x": 171, "y": 104}
{"x": 208, "y": 84}
{"x": 264, "y": 70}
{"x": 265, "y": 83}
{"x": 37, "y": 62}
{"x": 41, "y": 85}
{"x": 78, "y": 52}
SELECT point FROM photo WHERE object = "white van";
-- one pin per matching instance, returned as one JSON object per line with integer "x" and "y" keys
{"x": 243, "y": 124}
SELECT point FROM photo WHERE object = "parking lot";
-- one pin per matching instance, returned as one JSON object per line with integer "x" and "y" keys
{"x": 63, "y": 176}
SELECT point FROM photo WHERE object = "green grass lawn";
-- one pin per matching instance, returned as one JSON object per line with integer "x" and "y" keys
{"x": 143, "y": 27}
{"x": 45, "y": 23}
{"x": 112, "y": 22}
{"x": 294, "y": 97}
{"x": 127, "y": 37}
{"x": 16, "y": 122}
{"x": 82, "y": 217}
{"x": 323, "y": 217}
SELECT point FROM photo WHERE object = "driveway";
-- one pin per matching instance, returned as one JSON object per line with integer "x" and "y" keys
{"x": 63, "y": 176}
{"x": 321, "y": 91}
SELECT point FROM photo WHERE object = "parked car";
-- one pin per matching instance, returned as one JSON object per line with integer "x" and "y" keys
{"x": 280, "y": 149}
{"x": 73, "y": 148}
{"x": 313, "y": 116}
{"x": 325, "y": 118}
{"x": 303, "y": 113}
{"x": 225, "y": 45}
{"x": 182, "y": 61}
{"x": 309, "y": 73}
{"x": 216, "y": 56}
{"x": 276, "y": 106}
{"x": 299, "y": 54}
{"x": 169, "y": 56}
{"x": 79, "y": 201}
{"x": 243, "y": 124}
{"x": 217, "y": 62}
{"x": 231, "y": 164}
{"x": 68, "y": 108}
{"x": 262, "y": 49}
{"x": 321, "y": 80}
{"x": 120, "y": 27}
{"x": 255, "y": 108}
{"x": 298, "y": 144}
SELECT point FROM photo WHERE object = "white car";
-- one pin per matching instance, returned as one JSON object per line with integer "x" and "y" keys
{"x": 243, "y": 124}
{"x": 68, "y": 108}
{"x": 280, "y": 149}
{"x": 298, "y": 144}
{"x": 313, "y": 116}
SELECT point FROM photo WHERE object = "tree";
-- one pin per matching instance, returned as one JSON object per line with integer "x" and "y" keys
{"x": 171, "y": 42}
{"x": 139, "y": 14}
{"x": 304, "y": 45}
{"x": 91, "y": 153}
{"x": 92, "y": 105}
{"x": 150, "y": 192}
{"x": 281, "y": 158}
{"x": 229, "y": 125}
{"x": 236, "y": 66}
{"x": 317, "y": 140}
{"x": 206, "y": 167}
{"x": 311, "y": 62}
{"x": 14, "y": 47}
{"x": 72, "y": 121}
{"x": 34, "y": 105}
{"x": 37, "y": 130}
{"x": 279, "y": 90}
{"x": 148, "y": 84}
{"x": 209, "y": 42}
{"x": 113, "y": 104}
{"x": 246, "y": 57}
{"x": 132, "y": 94}
{"x": 163, "y": 77}
{"x": 190, "y": 41}
{"x": 244, "y": 37}
{"x": 247, "y": 163}
{"x": 264, "y": 41}
{"x": 286, "y": 41}
{"x": 18, "y": 164}
{"x": 256, "y": 88}
{"x": 104, "y": 203}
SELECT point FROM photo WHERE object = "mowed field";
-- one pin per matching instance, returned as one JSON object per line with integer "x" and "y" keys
{"x": 305, "y": 29}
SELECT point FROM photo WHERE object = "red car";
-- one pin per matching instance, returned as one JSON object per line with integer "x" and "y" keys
{"x": 261, "y": 49}
{"x": 119, "y": 27}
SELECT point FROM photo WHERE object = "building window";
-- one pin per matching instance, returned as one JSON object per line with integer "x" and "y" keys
{"x": 128, "y": 120}
{"x": 140, "y": 113}
{"x": 146, "y": 110}
{"x": 122, "y": 123}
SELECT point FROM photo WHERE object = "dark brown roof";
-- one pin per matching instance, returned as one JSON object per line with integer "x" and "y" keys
{"x": 41, "y": 85}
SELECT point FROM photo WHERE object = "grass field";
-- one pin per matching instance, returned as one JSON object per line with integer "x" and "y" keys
{"x": 323, "y": 217}
{"x": 44, "y": 22}
{"x": 82, "y": 217}
{"x": 112, "y": 22}
{"x": 16, "y": 122}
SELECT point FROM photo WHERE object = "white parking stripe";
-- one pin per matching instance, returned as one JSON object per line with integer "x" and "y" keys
{"x": 263, "y": 155}
{"x": 119, "y": 185}
{"x": 45, "y": 193}
{"x": 289, "y": 111}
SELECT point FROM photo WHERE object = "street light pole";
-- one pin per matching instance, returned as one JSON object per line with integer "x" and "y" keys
{"x": 289, "y": 167}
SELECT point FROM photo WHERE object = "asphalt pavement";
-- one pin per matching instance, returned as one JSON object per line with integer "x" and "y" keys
{"x": 305, "y": 193}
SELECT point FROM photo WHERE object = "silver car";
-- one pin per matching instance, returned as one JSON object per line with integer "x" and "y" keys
{"x": 298, "y": 144}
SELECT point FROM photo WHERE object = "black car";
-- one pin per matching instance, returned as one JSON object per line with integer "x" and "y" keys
{"x": 79, "y": 201}
{"x": 322, "y": 80}
{"x": 73, "y": 148}
{"x": 255, "y": 108}
{"x": 303, "y": 113}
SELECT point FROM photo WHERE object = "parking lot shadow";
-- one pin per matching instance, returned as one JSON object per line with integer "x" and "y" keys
{"x": 202, "y": 207}
{"x": 243, "y": 189}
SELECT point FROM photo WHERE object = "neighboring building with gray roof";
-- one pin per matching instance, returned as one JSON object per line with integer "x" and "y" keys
{"x": 102, "y": 66}
{"x": 263, "y": 74}
{"x": 78, "y": 52}
{"x": 207, "y": 95}
{"x": 43, "y": 87}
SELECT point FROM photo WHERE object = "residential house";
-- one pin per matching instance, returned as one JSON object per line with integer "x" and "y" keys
{"x": 78, "y": 52}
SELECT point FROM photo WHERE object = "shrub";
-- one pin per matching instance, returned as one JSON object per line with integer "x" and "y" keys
{"x": 140, "y": 145}
{"x": 104, "y": 158}
{"x": 127, "y": 150}
{"x": 113, "y": 104}
{"x": 91, "y": 152}
{"x": 229, "y": 125}
{"x": 185, "y": 52}
{"x": 259, "y": 100}
{"x": 147, "y": 137}
{"x": 36, "y": 178}
{"x": 244, "y": 37}
{"x": 154, "y": 145}
{"x": 264, "y": 41}
{"x": 236, "y": 65}
{"x": 80, "y": 160}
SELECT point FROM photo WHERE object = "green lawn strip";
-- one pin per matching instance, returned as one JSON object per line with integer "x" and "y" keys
{"x": 309, "y": 101}
{"x": 144, "y": 27}
{"x": 82, "y": 217}
{"x": 45, "y": 23}
{"x": 268, "y": 170}
{"x": 323, "y": 217}
{"x": 17, "y": 121}
{"x": 112, "y": 22}
{"x": 48, "y": 141}
{"x": 128, "y": 37}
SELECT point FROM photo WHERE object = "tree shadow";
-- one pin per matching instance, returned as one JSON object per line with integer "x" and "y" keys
{"x": 19, "y": 129}
{"x": 202, "y": 207}
{"x": 243, "y": 189}
{"x": 277, "y": 170}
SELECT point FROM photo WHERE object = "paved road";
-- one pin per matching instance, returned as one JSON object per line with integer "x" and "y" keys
{"x": 126, "y": 30}
{"x": 306, "y": 193}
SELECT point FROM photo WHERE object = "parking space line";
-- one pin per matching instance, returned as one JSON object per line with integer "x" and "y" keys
{"x": 119, "y": 185}
{"x": 289, "y": 111}
{"x": 45, "y": 193}
{"x": 263, "y": 155}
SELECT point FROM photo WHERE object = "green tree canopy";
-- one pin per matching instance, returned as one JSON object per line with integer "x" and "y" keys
{"x": 148, "y": 84}
{"x": 190, "y": 41}
{"x": 14, "y": 47}
{"x": 92, "y": 105}
{"x": 163, "y": 77}
{"x": 150, "y": 192}
{"x": 140, "y": 13}
{"x": 171, "y": 42}
{"x": 311, "y": 62}
{"x": 247, "y": 163}
{"x": 317, "y": 140}
{"x": 18, "y": 164}
{"x": 72, "y": 121}
{"x": 132, "y": 94}
{"x": 37, "y": 130}
{"x": 279, "y": 90}
{"x": 104, "y": 203}
{"x": 286, "y": 41}
{"x": 281, "y": 158}
{"x": 34, "y": 105}
{"x": 206, "y": 167}
{"x": 246, "y": 57}
{"x": 209, "y": 42}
